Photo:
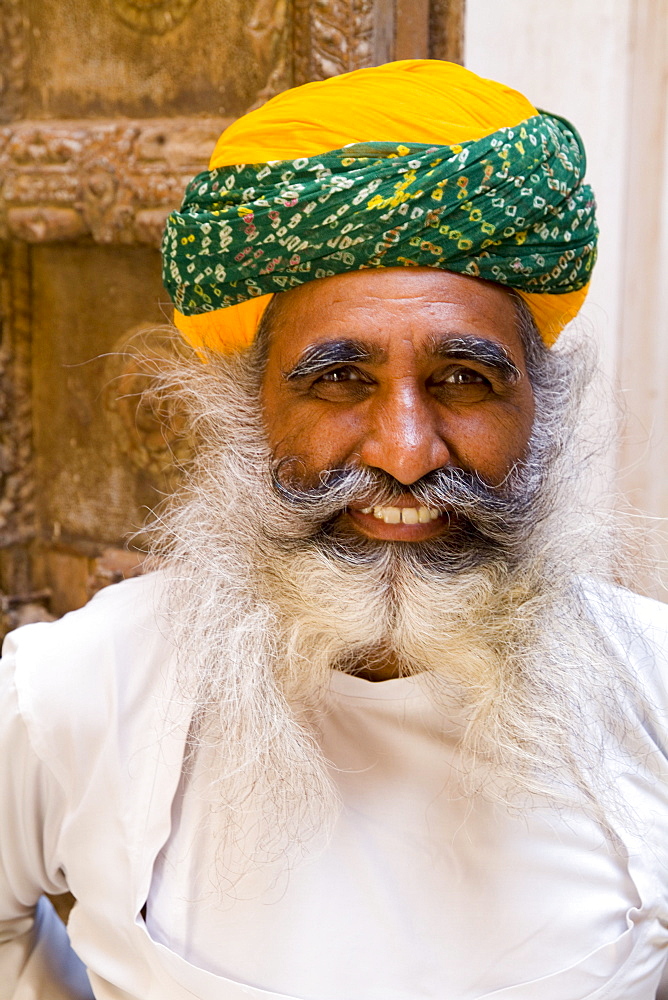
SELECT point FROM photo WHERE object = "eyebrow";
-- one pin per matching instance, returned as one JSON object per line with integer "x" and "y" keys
{"x": 318, "y": 358}
{"x": 479, "y": 349}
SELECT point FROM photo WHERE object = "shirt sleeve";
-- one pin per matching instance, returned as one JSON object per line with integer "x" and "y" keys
{"x": 36, "y": 959}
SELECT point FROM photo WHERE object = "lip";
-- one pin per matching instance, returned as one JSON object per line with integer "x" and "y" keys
{"x": 373, "y": 528}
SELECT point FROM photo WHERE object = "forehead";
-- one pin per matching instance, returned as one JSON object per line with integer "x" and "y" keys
{"x": 396, "y": 310}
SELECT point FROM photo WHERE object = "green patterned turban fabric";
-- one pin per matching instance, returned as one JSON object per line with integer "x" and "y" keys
{"x": 510, "y": 207}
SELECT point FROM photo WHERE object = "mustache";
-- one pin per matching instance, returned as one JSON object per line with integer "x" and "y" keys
{"x": 501, "y": 512}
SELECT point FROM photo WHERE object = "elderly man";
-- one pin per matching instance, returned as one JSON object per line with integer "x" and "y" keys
{"x": 381, "y": 725}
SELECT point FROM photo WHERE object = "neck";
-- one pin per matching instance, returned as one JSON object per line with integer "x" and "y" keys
{"x": 382, "y": 666}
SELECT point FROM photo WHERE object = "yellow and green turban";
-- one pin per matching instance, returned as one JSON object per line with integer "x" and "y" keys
{"x": 415, "y": 163}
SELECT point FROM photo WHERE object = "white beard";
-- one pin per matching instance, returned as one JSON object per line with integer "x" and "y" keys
{"x": 260, "y": 614}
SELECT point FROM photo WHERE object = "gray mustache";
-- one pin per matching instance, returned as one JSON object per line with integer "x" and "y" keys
{"x": 498, "y": 512}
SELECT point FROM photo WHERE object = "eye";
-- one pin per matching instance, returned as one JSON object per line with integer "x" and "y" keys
{"x": 342, "y": 375}
{"x": 465, "y": 376}
{"x": 462, "y": 385}
{"x": 344, "y": 384}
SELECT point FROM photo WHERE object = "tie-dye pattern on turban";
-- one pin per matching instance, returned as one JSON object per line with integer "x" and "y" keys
{"x": 415, "y": 163}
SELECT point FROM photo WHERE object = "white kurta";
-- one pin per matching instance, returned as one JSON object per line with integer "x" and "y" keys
{"x": 420, "y": 892}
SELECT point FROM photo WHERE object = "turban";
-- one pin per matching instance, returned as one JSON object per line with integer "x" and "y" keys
{"x": 414, "y": 163}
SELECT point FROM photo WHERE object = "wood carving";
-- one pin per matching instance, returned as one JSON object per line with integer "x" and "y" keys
{"x": 446, "y": 30}
{"x": 113, "y": 180}
{"x": 342, "y": 36}
{"x": 332, "y": 36}
{"x": 149, "y": 428}
{"x": 153, "y": 17}
{"x": 13, "y": 58}
{"x": 264, "y": 25}
{"x": 336, "y": 36}
{"x": 17, "y": 509}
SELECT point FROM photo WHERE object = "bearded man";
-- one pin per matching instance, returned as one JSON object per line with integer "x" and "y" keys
{"x": 380, "y": 725}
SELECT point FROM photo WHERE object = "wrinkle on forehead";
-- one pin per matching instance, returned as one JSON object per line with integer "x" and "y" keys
{"x": 397, "y": 309}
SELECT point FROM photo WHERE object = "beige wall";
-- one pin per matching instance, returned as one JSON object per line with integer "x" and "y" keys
{"x": 604, "y": 65}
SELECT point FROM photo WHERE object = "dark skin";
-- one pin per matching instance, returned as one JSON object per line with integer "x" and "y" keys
{"x": 405, "y": 370}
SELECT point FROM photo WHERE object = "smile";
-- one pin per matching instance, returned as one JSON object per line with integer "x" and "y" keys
{"x": 403, "y": 515}
{"x": 400, "y": 524}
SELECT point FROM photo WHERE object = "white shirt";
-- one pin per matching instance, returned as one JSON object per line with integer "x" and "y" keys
{"x": 420, "y": 893}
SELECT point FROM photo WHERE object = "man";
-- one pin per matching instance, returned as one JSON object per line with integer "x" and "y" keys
{"x": 378, "y": 727}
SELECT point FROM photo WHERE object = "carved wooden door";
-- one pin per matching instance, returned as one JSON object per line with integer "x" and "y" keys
{"x": 107, "y": 108}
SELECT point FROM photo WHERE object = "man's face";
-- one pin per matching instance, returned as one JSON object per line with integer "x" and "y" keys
{"x": 405, "y": 371}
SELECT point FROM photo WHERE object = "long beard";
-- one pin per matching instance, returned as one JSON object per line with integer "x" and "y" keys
{"x": 268, "y": 595}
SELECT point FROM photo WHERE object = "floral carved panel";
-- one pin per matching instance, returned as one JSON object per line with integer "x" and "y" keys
{"x": 112, "y": 180}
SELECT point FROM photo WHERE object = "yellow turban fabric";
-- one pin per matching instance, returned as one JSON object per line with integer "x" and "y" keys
{"x": 416, "y": 100}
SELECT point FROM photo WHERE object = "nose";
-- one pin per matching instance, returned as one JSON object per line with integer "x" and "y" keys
{"x": 403, "y": 436}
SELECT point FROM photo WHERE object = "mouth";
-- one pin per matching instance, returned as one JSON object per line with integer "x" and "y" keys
{"x": 403, "y": 515}
{"x": 405, "y": 523}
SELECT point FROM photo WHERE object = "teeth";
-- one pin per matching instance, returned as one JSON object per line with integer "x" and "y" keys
{"x": 390, "y": 515}
{"x": 405, "y": 515}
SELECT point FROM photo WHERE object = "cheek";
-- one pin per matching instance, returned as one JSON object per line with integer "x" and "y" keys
{"x": 490, "y": 442}
{"x": 320, "y": 437}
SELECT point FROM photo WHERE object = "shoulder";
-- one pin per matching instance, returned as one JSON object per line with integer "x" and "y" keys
{"x": 88, "y": 648}
{"x": 100, "y": 673}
